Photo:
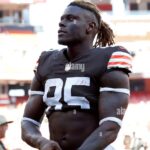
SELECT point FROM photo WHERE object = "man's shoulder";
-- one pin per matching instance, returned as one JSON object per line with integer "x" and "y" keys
{"x": 47, "y": 59}
{"x": 49, "y": 54}
{"x": 115, "y": 57}
{"x": 112, "y": 53}
{"x": 111, "y": 49}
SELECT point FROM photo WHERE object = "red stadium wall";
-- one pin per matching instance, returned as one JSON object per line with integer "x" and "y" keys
{"x": 137, "y": 97}
{"x": 105, "y": 7}
{"x": 140, "y": 91}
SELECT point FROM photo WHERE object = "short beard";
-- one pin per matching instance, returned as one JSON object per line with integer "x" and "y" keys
{"x": 69, "y": 43}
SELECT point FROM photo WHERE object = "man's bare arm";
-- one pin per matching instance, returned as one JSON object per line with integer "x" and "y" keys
{"x": 113, "y": 97}
{"x": 33, "y": 115}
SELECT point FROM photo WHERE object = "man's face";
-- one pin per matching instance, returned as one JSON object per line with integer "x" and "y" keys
{"x": 72, "y": 26}
{"x": 3, "y": 129}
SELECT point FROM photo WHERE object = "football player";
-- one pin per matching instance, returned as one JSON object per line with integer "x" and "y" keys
{"x": 80, "y": 88}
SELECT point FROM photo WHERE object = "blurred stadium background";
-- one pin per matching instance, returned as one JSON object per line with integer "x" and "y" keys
{"x": 27, "y": 27}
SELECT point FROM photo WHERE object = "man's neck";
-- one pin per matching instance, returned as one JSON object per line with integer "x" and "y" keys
{"x": 77, "y": 50}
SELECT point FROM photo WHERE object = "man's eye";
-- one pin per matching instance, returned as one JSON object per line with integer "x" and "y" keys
{"x": 70, "y": 18}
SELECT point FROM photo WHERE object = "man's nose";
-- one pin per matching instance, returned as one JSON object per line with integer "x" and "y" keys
{"x": 62, "y": 24}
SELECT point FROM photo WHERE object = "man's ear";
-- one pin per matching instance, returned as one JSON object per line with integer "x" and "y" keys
{"x": 91, "y": 27}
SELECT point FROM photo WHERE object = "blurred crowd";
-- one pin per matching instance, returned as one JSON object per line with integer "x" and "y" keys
{"x": 134, "y": 143}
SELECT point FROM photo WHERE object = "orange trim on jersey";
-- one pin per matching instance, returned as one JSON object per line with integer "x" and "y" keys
{"x": 120, "y": 56}
{"x": 119, "y": 63}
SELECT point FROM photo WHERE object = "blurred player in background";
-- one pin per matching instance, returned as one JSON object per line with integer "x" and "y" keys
{"x": 3, "y": 128}
{"x": 80, "y": 88}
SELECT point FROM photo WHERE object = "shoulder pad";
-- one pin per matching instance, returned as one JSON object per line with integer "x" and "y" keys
{"x": 42, "y": 57}
{"x": 120, "y": 59}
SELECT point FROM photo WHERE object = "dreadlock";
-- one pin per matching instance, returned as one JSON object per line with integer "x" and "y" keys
{"x": 105, "y": 35}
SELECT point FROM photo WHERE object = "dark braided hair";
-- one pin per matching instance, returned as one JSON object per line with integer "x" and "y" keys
{"x": 105, "y": 35}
